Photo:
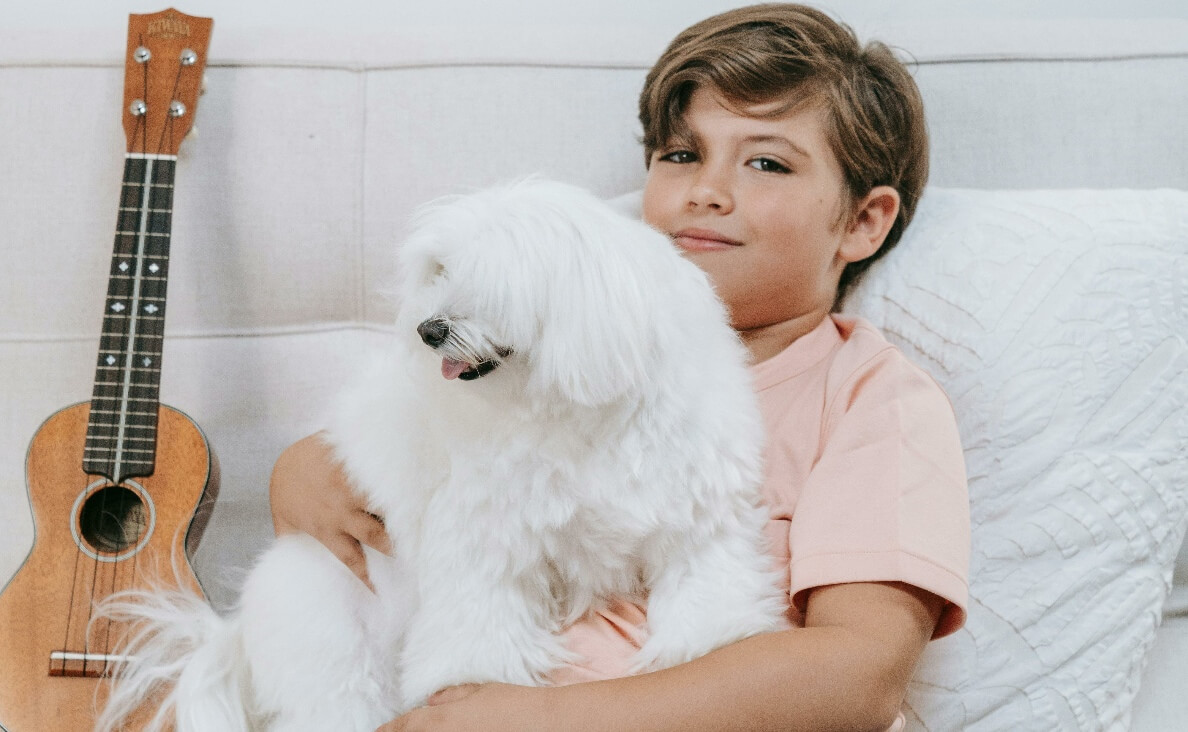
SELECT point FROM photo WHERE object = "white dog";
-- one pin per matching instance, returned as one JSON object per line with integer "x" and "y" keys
{"x": 565, "y": 415}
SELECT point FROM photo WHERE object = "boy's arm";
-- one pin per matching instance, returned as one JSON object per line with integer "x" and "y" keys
{"x": 847, "y": 669}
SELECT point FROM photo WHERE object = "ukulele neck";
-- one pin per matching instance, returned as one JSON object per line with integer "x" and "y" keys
{"x": 122, "y": 431}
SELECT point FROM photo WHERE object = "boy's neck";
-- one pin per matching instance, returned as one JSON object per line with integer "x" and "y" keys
{"x": 768, "y": 340}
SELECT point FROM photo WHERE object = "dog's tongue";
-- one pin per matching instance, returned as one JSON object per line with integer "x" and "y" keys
{"x": 451, "y": 368}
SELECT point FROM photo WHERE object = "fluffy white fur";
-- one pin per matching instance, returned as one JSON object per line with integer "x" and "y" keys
{"x": 613, "y": 450}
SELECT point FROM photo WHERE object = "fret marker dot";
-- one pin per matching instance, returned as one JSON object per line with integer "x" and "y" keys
{"x": 118, "y": 307}
{"x": 150, "y": 309}
{"x": 123, "y": 266}
{"x": 110, "y": 360}
{"x": 147, "y": 361}
{"x": 153, "y": 268}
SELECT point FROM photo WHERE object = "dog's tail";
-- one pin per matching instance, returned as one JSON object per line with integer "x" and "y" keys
{"x": 182, "y": 657}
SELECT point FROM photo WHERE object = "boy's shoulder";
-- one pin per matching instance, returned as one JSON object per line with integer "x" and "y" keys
{"x": 865, "y": 365}
{"x": 860, "y": 341}
{"x": 845, "y": 354}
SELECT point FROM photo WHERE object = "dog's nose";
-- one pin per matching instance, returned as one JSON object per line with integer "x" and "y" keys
{"x": 434, "y": 332}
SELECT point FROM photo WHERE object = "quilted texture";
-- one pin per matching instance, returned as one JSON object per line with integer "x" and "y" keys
{"x": 1054, "y": 321}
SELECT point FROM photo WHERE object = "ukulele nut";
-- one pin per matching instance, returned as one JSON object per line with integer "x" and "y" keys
{"x": 188, "y": 57}
{"x": 138, "y": 108}
{"x": 176, "y": 109}
{"x": 142, "y": 55}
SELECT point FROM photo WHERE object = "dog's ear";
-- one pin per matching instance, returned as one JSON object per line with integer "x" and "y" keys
{"x": 597, "y": 325}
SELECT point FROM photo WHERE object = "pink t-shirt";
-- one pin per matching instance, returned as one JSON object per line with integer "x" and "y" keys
{"x": 864, "y": 477}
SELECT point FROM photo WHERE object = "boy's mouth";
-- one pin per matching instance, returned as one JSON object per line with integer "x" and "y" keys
{"x": 703, "y": 240}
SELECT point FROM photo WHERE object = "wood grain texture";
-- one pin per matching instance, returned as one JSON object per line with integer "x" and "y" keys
{"x": 46, "y": 605}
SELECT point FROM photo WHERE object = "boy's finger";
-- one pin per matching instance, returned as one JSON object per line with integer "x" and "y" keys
{"x": 452, "y": 693}
{"x": 369, "y": 529}
{"x": 281, "y": 526}
{"x": 350, "y": 553}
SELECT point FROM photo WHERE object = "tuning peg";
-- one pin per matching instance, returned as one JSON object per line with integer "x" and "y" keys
{"x": 193, "y": 132}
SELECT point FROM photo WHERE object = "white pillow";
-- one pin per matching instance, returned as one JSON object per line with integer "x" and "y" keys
{"x": 1055, "y": 322}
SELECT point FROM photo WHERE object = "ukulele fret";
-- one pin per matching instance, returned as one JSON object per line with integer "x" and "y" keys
{"x": 136, "y": 419}
{"x": 138, "y": 370}
{"x": 128, "y": 412}
{"x": 116, "y": 383}
{"x": 121, "y": 399}
{"x": 121, "y": 449}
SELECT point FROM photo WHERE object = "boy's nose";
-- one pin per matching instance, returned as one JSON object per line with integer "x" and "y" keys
{"x": 711, "y": 190}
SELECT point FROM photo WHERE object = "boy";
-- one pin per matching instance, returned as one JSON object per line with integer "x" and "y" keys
{"x": 783, "y": 158}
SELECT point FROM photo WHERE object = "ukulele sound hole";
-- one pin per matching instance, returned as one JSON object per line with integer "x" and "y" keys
{"x": 113, "y": 519}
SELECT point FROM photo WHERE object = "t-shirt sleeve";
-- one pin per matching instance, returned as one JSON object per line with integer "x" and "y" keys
{"x": 886, "y": 501}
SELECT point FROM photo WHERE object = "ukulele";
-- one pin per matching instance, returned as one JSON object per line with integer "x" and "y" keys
{"x": 120, "y": 486}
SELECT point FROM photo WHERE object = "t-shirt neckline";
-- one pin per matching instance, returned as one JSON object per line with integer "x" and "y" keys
{"x": 800, "y": 355}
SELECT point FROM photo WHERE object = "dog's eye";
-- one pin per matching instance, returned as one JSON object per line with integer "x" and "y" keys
{"x": 434, "y": 270}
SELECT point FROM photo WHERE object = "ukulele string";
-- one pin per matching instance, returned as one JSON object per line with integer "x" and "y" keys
{"x": 169, "y": 118}
{"x": 98, "y": 529}
{"x": 151, "y": 182}
{"x": 118, "y": 523}
{"x": 147, "y": 203}
{"x": 115, "y": 572}
{"x": 104, "y": 516}
{"x": 94, "y": 583}
{"x": 73, "y": 586}
{"x": 78, "y": 575}
{"x": 144, "y": 87}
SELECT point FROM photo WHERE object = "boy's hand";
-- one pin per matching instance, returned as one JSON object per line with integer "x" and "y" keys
{"x": 310, "y": 494}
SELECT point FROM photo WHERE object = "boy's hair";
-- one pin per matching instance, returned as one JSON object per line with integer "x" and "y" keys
{"x": 764, "y": 53}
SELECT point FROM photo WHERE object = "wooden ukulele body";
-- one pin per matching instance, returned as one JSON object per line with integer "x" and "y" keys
{"x": 43, "y": 610}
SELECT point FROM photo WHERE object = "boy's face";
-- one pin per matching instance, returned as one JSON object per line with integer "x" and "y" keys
{"x": 756, "y": 203}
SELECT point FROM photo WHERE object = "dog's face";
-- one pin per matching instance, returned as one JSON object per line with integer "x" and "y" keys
{"x": 458, "y": 295}
{"x": 537, "y": 282}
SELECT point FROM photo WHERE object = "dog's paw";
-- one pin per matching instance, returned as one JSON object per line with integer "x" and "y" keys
{"x": 413, "y": 695}
{"x": 679, "y": 640}
{"x": 659, "y": 652}
{"x": 425, "y": 675}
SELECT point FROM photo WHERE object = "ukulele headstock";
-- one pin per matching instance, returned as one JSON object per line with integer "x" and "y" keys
{"x": 163, "y": 79}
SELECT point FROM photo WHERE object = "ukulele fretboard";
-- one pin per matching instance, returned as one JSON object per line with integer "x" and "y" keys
{"x": 122, "y": 430}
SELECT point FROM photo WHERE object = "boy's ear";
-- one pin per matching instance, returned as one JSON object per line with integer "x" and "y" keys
{"x": 873, "y": 217}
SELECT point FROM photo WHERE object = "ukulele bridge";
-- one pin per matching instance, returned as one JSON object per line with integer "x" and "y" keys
{"x": 73, "y": 663}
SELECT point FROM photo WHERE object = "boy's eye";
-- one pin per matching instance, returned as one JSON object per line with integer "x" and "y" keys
{"x": 679, "y": 156}
{"x": 767, "y": 165}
